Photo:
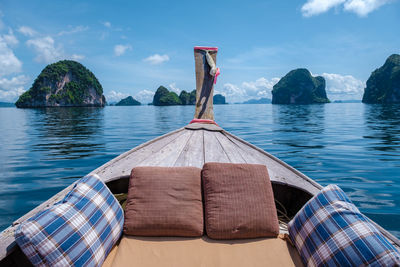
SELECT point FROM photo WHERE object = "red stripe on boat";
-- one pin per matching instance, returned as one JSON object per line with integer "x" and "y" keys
{"x": 205, "y": 48}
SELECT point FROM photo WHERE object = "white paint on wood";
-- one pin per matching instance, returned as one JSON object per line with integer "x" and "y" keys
{"x": 123, "y": 164}
{"x": 193, "y": 153}
{"x": 213, "y": 151}
{"x": 167, "y": 156}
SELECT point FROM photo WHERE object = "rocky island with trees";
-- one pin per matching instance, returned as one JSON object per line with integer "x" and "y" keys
{"x": 383, "y": 86}
{"x": 128, "y": 101}
{"x": 299, "y": 87}
{"x": 66, "y": 83}
{"x": 164, "y": 97}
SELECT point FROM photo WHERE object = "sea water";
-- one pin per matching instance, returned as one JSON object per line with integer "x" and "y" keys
{"x": 353, "y": 145}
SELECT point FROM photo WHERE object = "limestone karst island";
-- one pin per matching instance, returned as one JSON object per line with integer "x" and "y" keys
{"x": 66, "y": 83}
{"x": 383, "y": 86}
{"x": 164, "y": 97}
{"x": 128, "y": 101}
{"x": 299, "y": 87}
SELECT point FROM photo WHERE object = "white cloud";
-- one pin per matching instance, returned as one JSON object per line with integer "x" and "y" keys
{"x": 360, "y": 7}
{"x": 27, "y": 31}
{"x": 10, "y": 89}
{"x": 343, "y": 87}
{"x": 9, "y": 63}
{"x": 73, "y": 30}
{"x": 45, "y": 49}
{"x": 156, "y": 59}
{"x": 107, "y": 24}
{"x": 338, "y": 87}
{"x": 77, "y": 57}
{"x": 175, "y": 89}
{"x": 10, "y": 38}
{"x": 363, "y": 7}
{"x": 315, "y": 7}
{"x": 261, "y": 87}
{"x": 119, "y": 50}
{"x": 144, "y": 96}
{"x": 232, "y": 92}
{"x": 114, "y": 96}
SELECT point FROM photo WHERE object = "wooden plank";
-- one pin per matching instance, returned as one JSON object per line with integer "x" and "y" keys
{"x": 204, "y": 83}
{"x": 168, "y": 155}
{"x": 123, "y": 164}
{"x": 234, "y": 153}
{"x": 279, "y": 170}
{"x": 193, "y": 153}
{"x": 213, "y": 151}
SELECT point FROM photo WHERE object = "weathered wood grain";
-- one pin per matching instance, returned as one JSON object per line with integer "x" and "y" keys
{"x": 204, "y": 85}
{"x": 123, "y": 164}
{"x": 168, "y": 154}
{"x": 279, "y": 170}
{"x": 213, "y": 151}
{"x": 193, "y": 153}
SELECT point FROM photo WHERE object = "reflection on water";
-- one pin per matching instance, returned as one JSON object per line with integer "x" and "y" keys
{"x": 68, "y": 133}
{"x": 353, "y": 145}
{"x": 383, "y": 124}
{"x": 304, "y": 121}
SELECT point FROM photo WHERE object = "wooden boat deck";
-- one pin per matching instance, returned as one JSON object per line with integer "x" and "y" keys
{"x": 196, "y": 144}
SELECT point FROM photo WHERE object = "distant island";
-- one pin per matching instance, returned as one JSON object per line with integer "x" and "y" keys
{"x": 66, "y": 83}
{"x": 347, "y": 101}
{"x": 383, "y": 86}
{"x": 164, "y": 97}
{"x": 128, "y": 101}
{"x": 262, "y": 100}
{"x": 6, "y": 104}
{"x": 299, "y": 87}
{"x": 188, "y": 98}
{"x": 219, "y": 99}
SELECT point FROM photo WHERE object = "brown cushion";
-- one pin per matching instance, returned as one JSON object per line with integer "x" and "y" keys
{"x": 239, "y": 202}
{"x": 164, "y": 202}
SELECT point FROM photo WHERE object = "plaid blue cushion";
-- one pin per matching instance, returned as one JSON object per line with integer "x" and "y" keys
{"x": 330, "y": 231}
{"x": 80, "y": 230}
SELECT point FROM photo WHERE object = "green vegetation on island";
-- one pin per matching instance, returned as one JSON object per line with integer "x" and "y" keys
{"x": 299, "y": 87}
{"x": 128, "y": 101}
{"x": 383, "y": 86}
{"x": 188, "y": 98}
{"x": 262, "y": 100}
{"x": 219, "y": 99}
{"x": 163, "y": 97}
{"x": 65, "y": 83}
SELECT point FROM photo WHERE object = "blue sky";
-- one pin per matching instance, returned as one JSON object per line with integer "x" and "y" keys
{"x": 135, "y": 46}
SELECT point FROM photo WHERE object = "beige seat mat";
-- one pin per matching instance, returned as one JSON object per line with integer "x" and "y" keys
{"x": 172, "y": 251}
{"x": 110, "y": 257}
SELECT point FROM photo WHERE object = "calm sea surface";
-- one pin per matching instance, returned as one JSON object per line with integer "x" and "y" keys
{"x": 356, "y": 146}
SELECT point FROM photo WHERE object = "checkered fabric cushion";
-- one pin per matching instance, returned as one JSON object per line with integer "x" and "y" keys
{"x": 80, "y": 230}
{"x": 330, "y": 231}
